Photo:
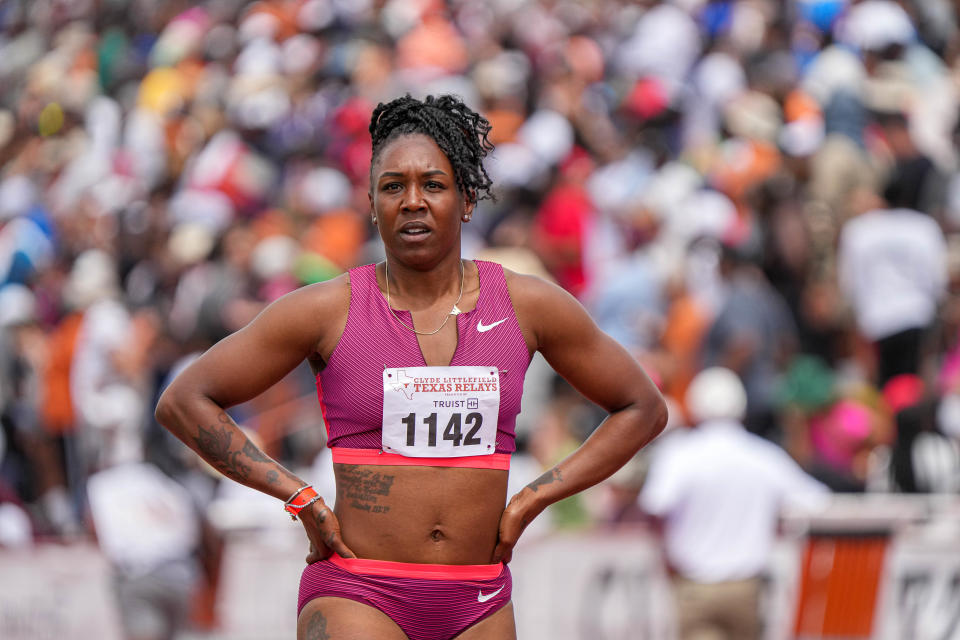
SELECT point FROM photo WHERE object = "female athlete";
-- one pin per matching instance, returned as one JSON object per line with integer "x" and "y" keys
{"x": 419, "y": 362}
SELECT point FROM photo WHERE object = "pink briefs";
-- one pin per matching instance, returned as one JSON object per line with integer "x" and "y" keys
{"x": 427, "y": 601}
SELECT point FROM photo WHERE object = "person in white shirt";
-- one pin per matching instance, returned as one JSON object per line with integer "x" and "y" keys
{"x": 718, "y": 490}
{"x": 892, "y": 265}
{"x": 147, "y": 526}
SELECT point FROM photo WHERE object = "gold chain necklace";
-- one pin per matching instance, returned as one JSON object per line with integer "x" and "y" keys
{"x": 455, "y": 311}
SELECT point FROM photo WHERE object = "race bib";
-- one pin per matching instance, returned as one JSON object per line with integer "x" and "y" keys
{"x": 441, "y": 412}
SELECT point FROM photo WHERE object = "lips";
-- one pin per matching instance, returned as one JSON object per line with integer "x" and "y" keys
{"x": 414, "y": 229}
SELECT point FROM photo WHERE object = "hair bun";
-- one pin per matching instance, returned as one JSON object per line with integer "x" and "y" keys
{"x": 459, "y": 131}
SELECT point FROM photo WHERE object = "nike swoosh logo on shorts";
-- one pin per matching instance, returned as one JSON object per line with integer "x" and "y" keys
{"x": 480, "y": 596}
{"x": 486, "y": 327}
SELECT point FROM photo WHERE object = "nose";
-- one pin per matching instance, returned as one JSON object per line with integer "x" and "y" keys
{"x": 413, "y": 199}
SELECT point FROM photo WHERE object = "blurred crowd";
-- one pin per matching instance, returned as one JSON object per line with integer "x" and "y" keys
{"x": 768, "y": 187}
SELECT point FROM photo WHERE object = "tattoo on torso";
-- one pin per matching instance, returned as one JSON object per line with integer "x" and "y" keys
{"x": 363, "y": 489}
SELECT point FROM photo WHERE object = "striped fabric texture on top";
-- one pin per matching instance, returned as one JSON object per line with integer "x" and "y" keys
{"x": 350, "y": 387}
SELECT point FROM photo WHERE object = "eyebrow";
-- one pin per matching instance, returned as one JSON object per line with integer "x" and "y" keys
{"x": 397, "y": 174}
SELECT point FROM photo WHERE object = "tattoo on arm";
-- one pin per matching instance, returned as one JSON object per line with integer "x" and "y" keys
{"x": 214, "y": 443}
{"x": 363, "y": 488}
{"x": 254, "y": 453}
{"x": 290, "y": 475}
{"x": 317, "y": 627}
{"x": 547, "y": 478}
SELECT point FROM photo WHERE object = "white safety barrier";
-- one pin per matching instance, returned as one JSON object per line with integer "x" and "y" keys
{"x": 583, "y": 586}
{"x": 55, "y": 592}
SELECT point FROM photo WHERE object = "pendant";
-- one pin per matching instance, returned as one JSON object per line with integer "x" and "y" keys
{"x": 455, "y": 311}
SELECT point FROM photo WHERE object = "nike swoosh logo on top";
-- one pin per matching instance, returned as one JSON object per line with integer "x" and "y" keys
{"x": 480, "y": 596}
{"x": 486, "y": 327}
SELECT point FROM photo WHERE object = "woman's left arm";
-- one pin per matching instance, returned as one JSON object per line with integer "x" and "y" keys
{"x": 558, "y": 326}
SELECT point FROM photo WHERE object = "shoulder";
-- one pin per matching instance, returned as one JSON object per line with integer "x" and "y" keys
{"x": 866, "y": 223}
{"x": 314, "y": 314}
{"x": 546, "y": 311}
{"x": 526, "y": 290}
{"x": 932, "y": 229}
{"x": 770, "y": 454}
{"x": 321, "y": 297}
{"x": 533, "y": 297}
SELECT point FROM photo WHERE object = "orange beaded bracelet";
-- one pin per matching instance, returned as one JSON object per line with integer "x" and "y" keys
{"x": 303, "y": 498}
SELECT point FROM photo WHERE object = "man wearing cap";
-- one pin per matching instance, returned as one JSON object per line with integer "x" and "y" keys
{"x": 718, "y": 491}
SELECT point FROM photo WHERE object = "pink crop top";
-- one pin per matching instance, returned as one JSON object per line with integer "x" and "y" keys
{"x": 350, "y": 387}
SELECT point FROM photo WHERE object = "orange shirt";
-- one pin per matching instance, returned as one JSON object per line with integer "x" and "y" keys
{"x": 57, "y": 406}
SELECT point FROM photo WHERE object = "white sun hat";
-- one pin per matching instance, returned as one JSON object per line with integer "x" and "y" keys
{"x": 716, "y": 393}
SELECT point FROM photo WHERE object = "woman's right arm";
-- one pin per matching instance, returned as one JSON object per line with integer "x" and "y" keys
{"x": 240, "y": 367}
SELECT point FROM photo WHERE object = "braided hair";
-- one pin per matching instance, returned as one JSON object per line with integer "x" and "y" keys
{"x": 460, "y": 132}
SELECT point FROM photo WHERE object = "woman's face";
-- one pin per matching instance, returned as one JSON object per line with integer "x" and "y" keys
{"x": 415, "y": 200}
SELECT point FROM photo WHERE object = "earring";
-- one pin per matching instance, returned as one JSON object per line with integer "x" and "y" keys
{"x": 373, "y": 219}
{"x": 466, "y": 217}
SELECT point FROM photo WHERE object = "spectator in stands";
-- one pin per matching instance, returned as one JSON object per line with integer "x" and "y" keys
{"x": 718, "y": 491}
{"x": 833, "y": 428}
{"x": 892, "y": 263}
{"x": 562, "y": 226}
{"x": 924, "y": 457}
{"x": 148, "y": 528}
{"x": 18, "y": 433}
{"x": 32, "y": 473}
{"x": 914, "y": 181}
{"x": 753, "y": 334}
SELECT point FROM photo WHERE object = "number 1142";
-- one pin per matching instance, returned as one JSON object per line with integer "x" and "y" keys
{"x": 452, "y": 432}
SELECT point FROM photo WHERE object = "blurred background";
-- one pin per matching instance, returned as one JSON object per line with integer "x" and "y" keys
{"x": 767, "y": 187}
